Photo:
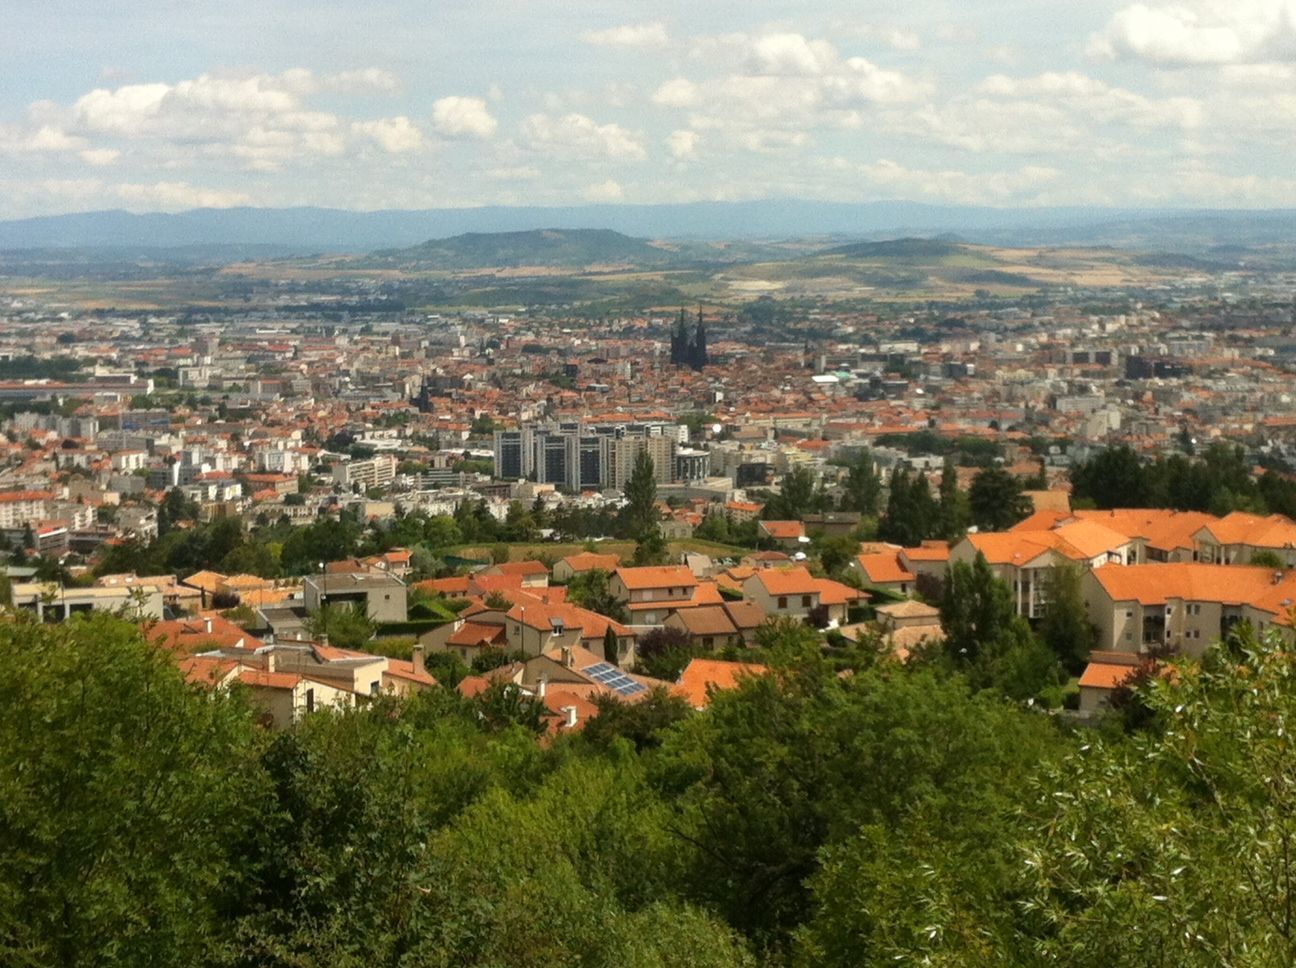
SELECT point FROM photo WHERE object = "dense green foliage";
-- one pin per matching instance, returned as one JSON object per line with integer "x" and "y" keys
{"x": 893, "y": 816}
{"x": 1218, "y": 482}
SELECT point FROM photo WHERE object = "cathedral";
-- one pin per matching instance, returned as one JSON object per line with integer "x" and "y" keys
{"x": 689, "y": 350}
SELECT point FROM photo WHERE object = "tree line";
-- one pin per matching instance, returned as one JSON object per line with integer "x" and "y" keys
{"x": 899, "y": 815}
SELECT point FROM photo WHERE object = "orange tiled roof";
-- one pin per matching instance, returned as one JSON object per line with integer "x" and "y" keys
{"x": 703, "y": 676}
{"x": 1155, "y": 584}
{"x": 883, "y": 568}
{"x": 650, "y": 576}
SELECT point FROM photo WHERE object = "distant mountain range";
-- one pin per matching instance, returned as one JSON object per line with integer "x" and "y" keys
{"x": 301, "y": 231}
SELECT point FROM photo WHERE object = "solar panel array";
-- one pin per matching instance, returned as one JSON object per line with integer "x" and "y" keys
{"x": 616, "y": 680}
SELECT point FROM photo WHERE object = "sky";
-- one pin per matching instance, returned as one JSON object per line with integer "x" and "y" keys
{"x": 167, "y": 105}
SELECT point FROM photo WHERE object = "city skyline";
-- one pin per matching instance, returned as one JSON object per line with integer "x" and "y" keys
{"x": 1009, "y": 104}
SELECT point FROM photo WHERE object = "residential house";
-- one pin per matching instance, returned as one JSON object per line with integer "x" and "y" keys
{"x": 1236, "y": 538}
{"x": 1181, "y": 606}
{"x": 885, "y": 571}
{"x": 380, "y": 596}
{"x": 565, "y": 569}
{"x": 1024, "y": 560}
{"x": 651, "y": 593}
{"x": 702, "y": 678}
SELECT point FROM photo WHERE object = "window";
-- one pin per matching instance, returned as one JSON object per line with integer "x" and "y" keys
{"x": 373, "y": 688}
{"x": 782, "y": 601}
{"x": 805, "y": 601}
{"x": 310, "y": 700}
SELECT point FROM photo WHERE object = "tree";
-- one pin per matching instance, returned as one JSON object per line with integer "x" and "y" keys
{"x": 123, "y": 789}
{"x": 912, "y": 514}
{"x": 497, "y": 600}
{"x": 1064, "y": 626}
{"x": 589, "y": 589}
{"x": 503, "y": 704}
{"x": 663, "y": 652}
{"x": 640, "y": 513}
{"x": 836, "y": 553}
{"x": 344, "y": 627}
{"x": 1267, "y": 558}
{"x": 1187, "y": 830}
{"x": 611, "y": 649}
{"x": 996, "y": 500}
{"x": 955, "y": 513}
{"x": 1113, "y": 478}
{"x": 651, "y": 548}
{"x": 791, "y": 765}
{"x": 642, "y": 722}
{"x": 796, "y": 497}
{"x": 987, "y": 640}
{"x": 863, "y": 488}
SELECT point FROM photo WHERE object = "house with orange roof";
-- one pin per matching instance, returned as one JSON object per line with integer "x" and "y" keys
{"x": 532, "y": 624}
{"x": 1182, "y": 606}
{"x": 786, "y": 534}
{"x": 1237, "y": 537}
{"x": 652, "y": 592}
{"x": 1156, "y": 534}
{"x": 703, "y": 678}
{"x": 707, "y": 626}
{"x": 930, "y": 559}
{"x": 565, "y": 569}
{"x": 1103, "y": 675}
{"x": 1024, "y": 560}
{"x": 884, "y": 570}
{"x": 795, "y": 593}
{"x": 532, "y": 574}
{"x": 208, "y": 631}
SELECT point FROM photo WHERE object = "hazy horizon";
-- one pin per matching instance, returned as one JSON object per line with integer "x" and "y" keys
{"x": 1007, "y": 104}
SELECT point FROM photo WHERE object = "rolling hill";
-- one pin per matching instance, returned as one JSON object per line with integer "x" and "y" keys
{"x": 549, "y": 248}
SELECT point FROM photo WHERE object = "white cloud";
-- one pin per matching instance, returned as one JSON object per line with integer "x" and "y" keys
{"x": 178, "y": 196}
{"x": 45, "y": 138}
{"x": 524, "y": 173}
{"x": 99, "y": 157}
{"x": 646, "y": 35}
{"x": 1098, "y": 100}
{"x": 260, "y": 121}
{"x": 679, "y": 92}
{"x": 790, "y": 54}
{"x": 955, "y": 185}
{"x": 375, "y": 79}
{"x": 786, "y": 85}
{"x": 606, "y": 191}
{"x": 1200, "y": 32}
{"x": 682, "y": 144}
{"x": 463, "y": 117}
{"x": 766, "y": 139}
{"x": 580, "y": 135}
{"x": 905, "y": 40}
{"x": 394, "y": 135}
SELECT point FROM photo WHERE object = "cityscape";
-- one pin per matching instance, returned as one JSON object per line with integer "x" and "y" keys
{"x": 483, "y": 534}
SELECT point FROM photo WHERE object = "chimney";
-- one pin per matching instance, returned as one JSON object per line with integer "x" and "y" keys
{"x": 417, "y": 656}
{"x": 569, "y": 712}
{"x": 567, "y": 656}
{"x": 270, "y": 660}
{"x": 542, "y": 686}
{"x": 207, "y": 624}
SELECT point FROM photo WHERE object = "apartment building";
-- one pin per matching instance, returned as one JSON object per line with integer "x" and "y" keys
{"x": 377, "y": 471}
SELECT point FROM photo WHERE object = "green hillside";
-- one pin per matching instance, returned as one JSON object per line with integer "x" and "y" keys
{"x": 551, "y": 248}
